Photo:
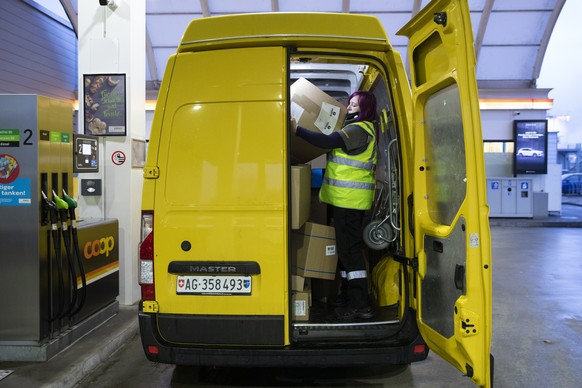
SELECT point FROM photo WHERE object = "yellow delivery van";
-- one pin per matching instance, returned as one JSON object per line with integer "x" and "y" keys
{"x": 238, "y": 259}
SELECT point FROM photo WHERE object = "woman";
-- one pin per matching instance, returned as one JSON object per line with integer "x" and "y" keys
{"x": 348, "y": 186}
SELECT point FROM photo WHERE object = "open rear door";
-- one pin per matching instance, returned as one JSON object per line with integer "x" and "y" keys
{"x": 452, "y": 240}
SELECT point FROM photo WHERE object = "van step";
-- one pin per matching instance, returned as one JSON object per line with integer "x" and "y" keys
{"x": 322, "y": 325}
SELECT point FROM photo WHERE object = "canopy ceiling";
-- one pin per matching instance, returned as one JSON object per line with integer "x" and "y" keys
{"x": 511, "y": 36}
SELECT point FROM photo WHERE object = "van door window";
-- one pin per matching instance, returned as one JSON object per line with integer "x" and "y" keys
{"x": 445, "y": 151}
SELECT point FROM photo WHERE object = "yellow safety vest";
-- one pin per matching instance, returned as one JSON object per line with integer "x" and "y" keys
{"x": 350, "y": 180}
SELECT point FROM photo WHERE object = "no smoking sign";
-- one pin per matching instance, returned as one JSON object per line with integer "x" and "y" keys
{"x": 118, "y": 158}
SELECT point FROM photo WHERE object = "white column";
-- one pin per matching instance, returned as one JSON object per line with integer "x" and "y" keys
{"x": 113, "y": 41}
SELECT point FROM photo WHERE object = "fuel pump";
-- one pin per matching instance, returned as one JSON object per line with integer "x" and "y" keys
{"x": 44, "y": 248}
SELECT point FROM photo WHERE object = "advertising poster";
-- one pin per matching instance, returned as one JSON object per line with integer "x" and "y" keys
{"x": 531, "y": 142}
{"x": 14, "y": 191}
{"x": 104, "y": 104}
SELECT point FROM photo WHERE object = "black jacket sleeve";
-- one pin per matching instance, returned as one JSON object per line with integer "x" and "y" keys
{"x": 318, "y": 139}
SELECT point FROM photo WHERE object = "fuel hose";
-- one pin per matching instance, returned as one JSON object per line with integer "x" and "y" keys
{"x": 72, "y": 206}
{"x": 51, "y": 207}
{"x": 63, "y": 208}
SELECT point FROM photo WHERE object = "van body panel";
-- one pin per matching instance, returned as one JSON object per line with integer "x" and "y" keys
{"x": 231, "y": 329}
{"x": 358, "y": 32}
{"x": 151, "y": 164}
{"x": 235, "y": 180}
{"x": 451, "y": 222}
{"x": 398, "y": 350}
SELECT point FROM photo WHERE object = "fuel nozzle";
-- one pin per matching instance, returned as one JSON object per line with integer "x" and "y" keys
{"x": 63, "y": 207}
{"x": 51, "y": 207}
{"x": 70, "y": 201}
{"x": 72, "y": 205}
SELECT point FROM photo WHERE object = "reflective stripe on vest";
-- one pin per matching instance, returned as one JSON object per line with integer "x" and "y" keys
{"x": 349, "y": 180}
{"x": 354, "y": 163}
{"x": 348, "y": 184}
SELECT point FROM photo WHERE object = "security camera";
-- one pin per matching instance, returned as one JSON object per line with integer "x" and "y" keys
{"x": 110, "y": 3}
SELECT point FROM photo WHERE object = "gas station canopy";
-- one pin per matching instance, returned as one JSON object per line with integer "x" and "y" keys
{"x": 511, "y": 36}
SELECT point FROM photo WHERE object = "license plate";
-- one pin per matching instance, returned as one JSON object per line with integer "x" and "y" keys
{"x": 214, "y": 285}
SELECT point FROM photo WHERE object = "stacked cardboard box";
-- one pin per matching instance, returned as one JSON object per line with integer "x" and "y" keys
{"x": 313, "y": 245}
{"x": 300, "y": 194}
{"x": 297, "y": 283}
{"x": 314, "y": 252}
{"x": 300, "y": 305}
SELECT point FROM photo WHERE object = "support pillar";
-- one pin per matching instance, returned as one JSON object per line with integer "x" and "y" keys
{"x": 112, "y": 41}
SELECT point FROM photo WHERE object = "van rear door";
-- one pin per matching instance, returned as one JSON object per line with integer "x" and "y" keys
{"x": 452, "y": 240}
{"x": 221, "y": 199}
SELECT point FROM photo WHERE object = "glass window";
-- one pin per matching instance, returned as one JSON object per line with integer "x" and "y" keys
{"x": 53, "y": 8}
{"x": 445, "y": 153}
{"x": 498, "y": 146}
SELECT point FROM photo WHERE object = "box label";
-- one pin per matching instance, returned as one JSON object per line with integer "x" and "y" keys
{"x": 327, "y": 118}
{"x": 330, "y": 250}
{"x": 300, "y": 308}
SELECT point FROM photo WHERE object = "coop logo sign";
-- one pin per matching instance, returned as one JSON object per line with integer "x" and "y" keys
{"x": 99, "y": 247}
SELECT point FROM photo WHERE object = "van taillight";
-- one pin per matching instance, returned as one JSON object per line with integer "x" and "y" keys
{"x": 146, "y": 257}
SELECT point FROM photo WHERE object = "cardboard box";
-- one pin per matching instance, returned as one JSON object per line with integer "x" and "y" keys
{"x": 300, "y": 194}
{"x": 319, "y": 162}
{"x": 314, "y": 251}
{"x": 297, "y": 283}
{"x": 317, "y": 111}
{"x": 300, "y": 305}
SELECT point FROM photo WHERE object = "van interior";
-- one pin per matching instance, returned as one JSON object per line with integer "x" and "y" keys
{"x": 382, "y": 234}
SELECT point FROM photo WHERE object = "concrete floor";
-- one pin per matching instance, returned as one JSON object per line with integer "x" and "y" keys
{"x": 537, "y": 331}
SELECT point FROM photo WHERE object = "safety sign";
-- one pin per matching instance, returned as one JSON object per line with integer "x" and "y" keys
{"x": 118, "y": 158}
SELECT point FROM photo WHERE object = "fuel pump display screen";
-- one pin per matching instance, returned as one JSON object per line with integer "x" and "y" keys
{"x": 86, "y": 149}
{"x": 86, "y": 153}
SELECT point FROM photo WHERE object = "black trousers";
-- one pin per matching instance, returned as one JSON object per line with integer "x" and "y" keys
{"x": 348, "y": 231}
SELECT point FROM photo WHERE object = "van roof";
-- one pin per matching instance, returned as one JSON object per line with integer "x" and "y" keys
{"x": 332, "y": 30}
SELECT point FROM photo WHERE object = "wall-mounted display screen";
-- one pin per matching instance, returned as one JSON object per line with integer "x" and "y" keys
{"x": 531, "y": 143}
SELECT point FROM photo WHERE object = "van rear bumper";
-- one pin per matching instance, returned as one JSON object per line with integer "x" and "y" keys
{"x": 305, "y": 355}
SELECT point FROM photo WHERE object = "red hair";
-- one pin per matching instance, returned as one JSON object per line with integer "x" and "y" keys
{"x": 367, "y": 103}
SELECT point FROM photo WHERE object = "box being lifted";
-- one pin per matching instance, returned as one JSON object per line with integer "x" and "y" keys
{"x": 317, "y": 111}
